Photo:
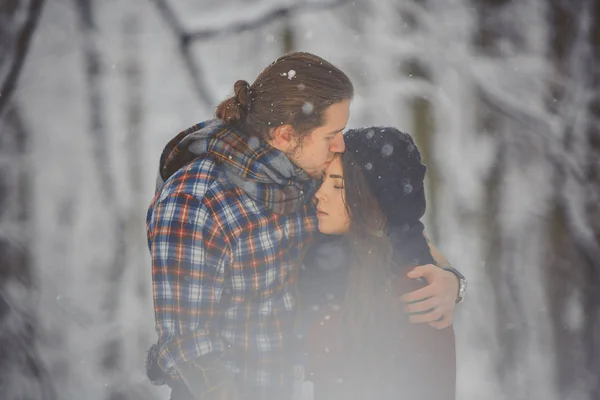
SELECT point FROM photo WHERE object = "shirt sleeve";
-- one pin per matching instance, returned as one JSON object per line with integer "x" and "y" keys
{"x": 189, "y": 253}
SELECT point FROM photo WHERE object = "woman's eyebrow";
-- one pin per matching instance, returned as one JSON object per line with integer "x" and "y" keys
{"x": 335, "y": 132}
{"x": 336, "y": 176}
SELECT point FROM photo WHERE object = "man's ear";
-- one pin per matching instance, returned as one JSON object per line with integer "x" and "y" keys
{"x": 283, "y": 138}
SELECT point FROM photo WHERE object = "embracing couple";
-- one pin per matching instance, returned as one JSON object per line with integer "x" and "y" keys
{"x": 241, "y": 199}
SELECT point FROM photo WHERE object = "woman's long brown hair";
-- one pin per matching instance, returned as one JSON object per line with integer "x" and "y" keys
{"x": 371, "y": 315}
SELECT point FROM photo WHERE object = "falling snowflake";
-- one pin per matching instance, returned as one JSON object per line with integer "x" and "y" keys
{"x": 370, "y": 134}
{"x": 387, "y": 150}
{"x": 253, "y": 142}
{"x": 408, "y": 188}
{"x": 307, "y": 108}
{"x": 291, "y": 74}
{"x": 369, "y": 166}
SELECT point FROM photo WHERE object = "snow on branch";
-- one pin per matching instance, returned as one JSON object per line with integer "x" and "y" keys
{"x": 22, "y": 41}
{"x": 187, "y": 37}
{"x": 270, "y": 16}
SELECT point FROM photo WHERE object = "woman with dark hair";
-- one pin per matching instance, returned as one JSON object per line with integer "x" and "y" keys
{"x": 359, "y": 345}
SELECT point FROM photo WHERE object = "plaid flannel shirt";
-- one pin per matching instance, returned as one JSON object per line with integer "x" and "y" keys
{"x": 223, "y": 268}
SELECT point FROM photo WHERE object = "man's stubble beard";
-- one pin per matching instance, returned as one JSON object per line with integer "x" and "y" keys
{"x": 293, "y": 156}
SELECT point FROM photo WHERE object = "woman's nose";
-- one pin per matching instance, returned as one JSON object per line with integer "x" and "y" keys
{"x": 337, "y": 145}
{"x": 319, "y": 194}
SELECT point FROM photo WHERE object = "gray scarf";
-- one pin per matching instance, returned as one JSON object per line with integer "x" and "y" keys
{"x": 264, "y": 173}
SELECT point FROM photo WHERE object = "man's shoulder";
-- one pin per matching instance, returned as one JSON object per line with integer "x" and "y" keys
{"x": 197, "y": 179}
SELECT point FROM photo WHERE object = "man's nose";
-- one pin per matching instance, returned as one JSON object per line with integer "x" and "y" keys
{"x": 337, "y": 145}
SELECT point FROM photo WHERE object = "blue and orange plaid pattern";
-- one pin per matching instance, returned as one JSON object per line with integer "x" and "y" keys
{"x": 223, "y": 267}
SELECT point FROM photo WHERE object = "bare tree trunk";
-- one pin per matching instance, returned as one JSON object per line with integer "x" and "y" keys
{"x": 18, "y": 22}
{"x": 94, "y": 77}
{"x": 133, "y": 346}
{"x": 571, "y": 246}
{"x": 111, "y": 356}
{"x": 134, "y": 125}
{"x": 574, "y": 262}
{"x": 424, "y": 132}
{"x": 22, "y": 373}
{"x": 288, "y": 36}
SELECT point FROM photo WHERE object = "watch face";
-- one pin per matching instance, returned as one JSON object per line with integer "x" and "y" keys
{"x": 462, "y": 285}
{"x": 463, "y": 288}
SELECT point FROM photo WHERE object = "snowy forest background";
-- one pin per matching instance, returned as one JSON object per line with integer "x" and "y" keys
{"x": 502, "y": 96}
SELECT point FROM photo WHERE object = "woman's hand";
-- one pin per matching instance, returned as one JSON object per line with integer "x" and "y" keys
{"x": 434, "y": 302}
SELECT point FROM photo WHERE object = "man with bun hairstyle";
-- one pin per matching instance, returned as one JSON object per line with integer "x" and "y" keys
{"x": 232, "y": 216}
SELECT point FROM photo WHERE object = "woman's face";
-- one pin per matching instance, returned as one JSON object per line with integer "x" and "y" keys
{"x": 331, "y": 211}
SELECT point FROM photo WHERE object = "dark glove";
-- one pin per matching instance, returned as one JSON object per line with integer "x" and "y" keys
{"x": 207, "y": 379}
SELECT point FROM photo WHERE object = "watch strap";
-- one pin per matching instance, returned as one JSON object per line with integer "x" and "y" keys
{"x": 462, "y": 283}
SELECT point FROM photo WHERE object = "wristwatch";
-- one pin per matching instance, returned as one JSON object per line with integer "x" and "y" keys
{"x": 462, "y": 284}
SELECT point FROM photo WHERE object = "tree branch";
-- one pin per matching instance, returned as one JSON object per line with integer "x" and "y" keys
{"x": 186, "y": 38}
{"x": 194, "y": 69}
{"x": 275, "y": 14}
{"x": 96, "y": 104}
{"x": 23, "y": 41}
{"x": 170, "y": 17}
